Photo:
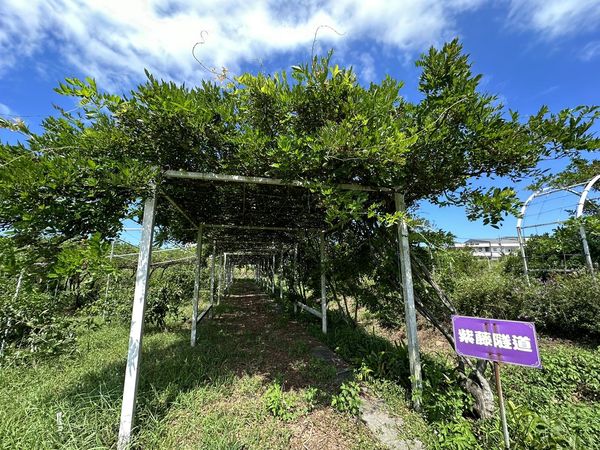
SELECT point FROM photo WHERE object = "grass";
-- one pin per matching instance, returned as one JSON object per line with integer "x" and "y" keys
{"x": 562, "y": 399}
{"x": 212, "y": 396}
{"x": 252, "y": 383}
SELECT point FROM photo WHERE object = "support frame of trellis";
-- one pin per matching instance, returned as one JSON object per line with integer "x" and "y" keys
{"x": 583, "y": 197}
{"x": 132, "y": 370}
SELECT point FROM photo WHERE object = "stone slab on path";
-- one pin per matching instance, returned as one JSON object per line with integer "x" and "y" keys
{"x": 372, "y": 410}
{"x": 385, "y": 427}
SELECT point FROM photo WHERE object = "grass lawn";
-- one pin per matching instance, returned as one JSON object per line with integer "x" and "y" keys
{"x": 218, "y": 395}
{"x": 252, "y": 383}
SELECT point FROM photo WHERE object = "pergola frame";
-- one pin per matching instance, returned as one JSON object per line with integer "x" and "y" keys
{"x": 143, "y": 272}
{"x": 588, "y": 185}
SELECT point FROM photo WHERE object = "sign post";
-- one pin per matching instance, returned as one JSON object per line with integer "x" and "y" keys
{"x": 499, "y": 341}
{"x": 501, "y": 404}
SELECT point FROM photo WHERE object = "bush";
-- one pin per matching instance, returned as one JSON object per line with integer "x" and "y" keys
{"x": 565, "y": 305}
{"x": 348, "y": 400}
{"x": 492, "y": 294}
{"x": 34, "y": 323}
{"x": 168, "y": 292}
{"x": 280, "y": 404}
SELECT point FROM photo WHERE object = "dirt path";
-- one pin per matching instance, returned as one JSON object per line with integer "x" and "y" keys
{"x": 280, "y": 346}
{"x": 270, "y": 345}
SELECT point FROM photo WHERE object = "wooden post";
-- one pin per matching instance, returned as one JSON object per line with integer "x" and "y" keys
{"x": 409, "y": 303}
{"x": 501, "y": 404}
{"x": 132, "y": 370}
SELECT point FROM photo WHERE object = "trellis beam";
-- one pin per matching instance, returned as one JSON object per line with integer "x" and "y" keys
{"x": 256, "y": 227}
{"x": 181, "y": 211}
{"x": 263, "y": 180}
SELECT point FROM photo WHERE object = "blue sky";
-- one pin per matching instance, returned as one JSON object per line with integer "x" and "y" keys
{"x": 530, "y": 52}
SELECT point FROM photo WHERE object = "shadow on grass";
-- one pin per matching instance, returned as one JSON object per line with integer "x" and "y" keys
{"x": 246, "y": 337}
{"x": 376, "y": 355}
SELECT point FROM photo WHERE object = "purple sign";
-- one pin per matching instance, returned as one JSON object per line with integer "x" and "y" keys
{"x": 506, "y": 341}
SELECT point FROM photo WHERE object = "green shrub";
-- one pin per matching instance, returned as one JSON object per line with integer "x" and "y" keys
{"x": 492, "y": 294}
{"x": 279, "y": 403}
{"x": 567, "y": 305}
{"x": 32, "y": 324}
{"x": 348, "y": 400}
{"x": 169, "y": 291}
{"x": 443, "y": 398}
{"x": 456, "y": 435}
{"x": 537, "y": 432}
{"x": 564, "y": 305}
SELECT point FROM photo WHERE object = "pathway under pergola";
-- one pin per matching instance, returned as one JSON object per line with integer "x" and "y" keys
{"x": 252, "y": 222}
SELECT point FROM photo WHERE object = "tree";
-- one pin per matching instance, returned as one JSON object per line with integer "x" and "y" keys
{"x": 83, "y": 173}
{"x": 86, "y": 171}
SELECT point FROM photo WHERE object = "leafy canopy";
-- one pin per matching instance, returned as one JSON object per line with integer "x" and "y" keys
{"x": 88, "y": 170}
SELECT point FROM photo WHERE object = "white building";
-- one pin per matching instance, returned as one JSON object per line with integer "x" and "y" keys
{"x": 491, "y": 248}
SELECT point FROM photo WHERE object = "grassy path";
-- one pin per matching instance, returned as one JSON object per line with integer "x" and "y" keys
{"x": 250, "y": 383}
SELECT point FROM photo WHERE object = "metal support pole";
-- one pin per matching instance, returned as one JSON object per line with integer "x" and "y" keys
{"x": 220, "y": 280}
{"x": 281, "y": 275}
{"x": 409, "y": 303}
{"x": 586, "y": 251}
{"x": 295, "y": 276}
{"x": 523, "y": 255}
{"x": 323, "y": 284}
{"x": 19, "y": 284}
{"x": 212, "y": 275}
{"x": 134, "y": 353}
{"x": 273, "y": 275}
{"x": 224, "y": 273}
{"x": 579, "y": 215}
{"x": 197, "y": 282}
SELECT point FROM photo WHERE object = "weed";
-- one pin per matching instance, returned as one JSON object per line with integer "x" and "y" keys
{"x": 348, "y": 400}
{"x": 311, "y": 396}
{"x": 280, "y": 404}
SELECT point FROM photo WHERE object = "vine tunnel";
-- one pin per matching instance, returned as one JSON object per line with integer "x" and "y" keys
{"x": 250, "y": 221}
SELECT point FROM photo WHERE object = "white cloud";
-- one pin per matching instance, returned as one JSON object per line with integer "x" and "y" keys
{"x": 590, "y": 51}
{"x": 5, "y": 110}
{"x": 555, "y": 18}
{"x": 114, "y": 40}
